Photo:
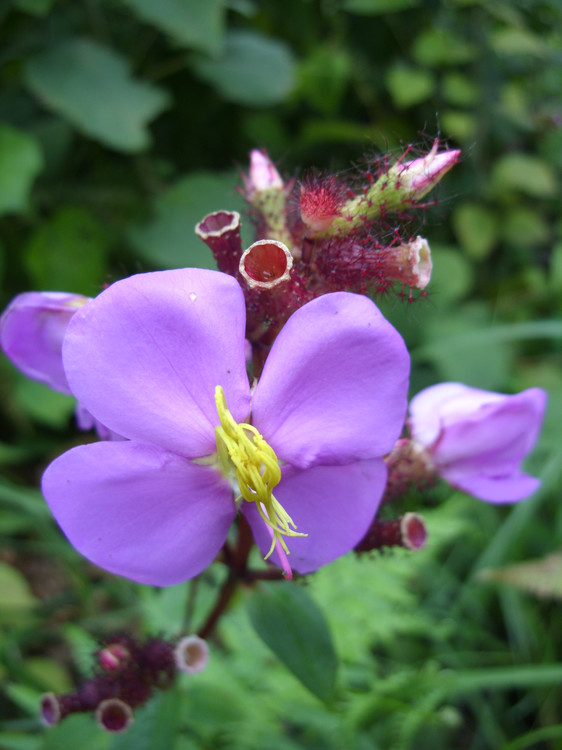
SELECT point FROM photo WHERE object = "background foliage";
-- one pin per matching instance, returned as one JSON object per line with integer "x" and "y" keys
{"x": 123, "y": 123}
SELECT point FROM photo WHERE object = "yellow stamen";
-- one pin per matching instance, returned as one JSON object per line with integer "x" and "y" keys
{"x": 257, "y": 470}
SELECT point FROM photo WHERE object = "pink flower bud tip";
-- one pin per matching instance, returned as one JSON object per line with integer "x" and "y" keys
{"x": 114, "y": 657}
{"x": 419, "y": 176}
{"x": 262, "y": 175}
{"x": 191, "y": 654}
{"x": 114, "y": 715}
{"x": 265, "y": 264}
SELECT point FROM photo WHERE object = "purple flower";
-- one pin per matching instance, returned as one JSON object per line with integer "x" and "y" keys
{"x": 31, "y": 332}
{"x": 159, "y": 358}
{"x": 476, "y": 440}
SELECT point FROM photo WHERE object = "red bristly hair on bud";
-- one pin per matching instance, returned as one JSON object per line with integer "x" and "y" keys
{"x": 320, "y": 200}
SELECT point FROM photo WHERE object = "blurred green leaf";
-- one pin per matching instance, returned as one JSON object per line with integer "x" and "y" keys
{"x": 14, "y": 741}
{"x": 294, "y": 628}
{"x": 91, "y": 86}
{"x": 555, "y": 277}
{"x": 409, "y": 86}
{"x": 44, "y": 404}
{"x": 452, "y": 275}
{"x": 476, "y": 227}
{"x": 155, "y": 724}
{"x": 513, "y": 41}
{"x": 21, "y": 161}
{"x": 34, "y": 7}
{"x": 459, "y": 89}
{"x": 438, "y": 46}
{"x": 323, "y": 77}
{"x": 169, "y": 239}
{"x": 459, "y": 125}
{"x": 16, "y": 592}
{"x": 524, "y": 227}
{"x": 526, "y": 173}
{"x": 376, "y": 7}
{"x": 48, "y": 674}
{"x": 199, "y": 25}
{"x": 460, "y": 349}
{"x": 68, "y": 253}
{"x": 77, "y": 731}
{"x": 543, "y": 577}
{"x": 253, "y": 69}
{"x": 164, "y": 608}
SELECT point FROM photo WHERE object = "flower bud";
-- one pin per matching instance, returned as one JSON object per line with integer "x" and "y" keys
{"x": 414, "y": 179}
{"x": 262, "y": 175}
{"x": 192, "y": 654}
{"x": 114, "y": 657}
{"x": 114, "y": 715}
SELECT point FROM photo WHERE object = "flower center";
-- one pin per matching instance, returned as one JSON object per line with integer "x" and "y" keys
{"x": 240, "y": 446}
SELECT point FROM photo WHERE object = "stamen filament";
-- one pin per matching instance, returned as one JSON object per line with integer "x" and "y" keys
{"x": 257, "y": 471}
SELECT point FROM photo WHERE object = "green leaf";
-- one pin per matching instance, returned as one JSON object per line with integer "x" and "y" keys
{"x": 376, "y": 7}
{"x": 511, "y": 41}
{"x": 48, "y": 674}
{"x": 43, "y": 403}
{"x": 438, "y": 47}
{"x": 477, "y": 229}
{"x": 253, "y": 69}
{"x": 169, "y": 239}
{"x": 91, "y": 86}
{"x": 68, "y": 253}
{"x": 34, "y": 7}
{"x": 409, "y": 86}
{"x": 16, "y": 593}
{"x": 14, "y": 741}
{"x": 543, "y": 577}
{"x": 76, "y": 731}
{"x": 323, "y": 78}
{"x": 21, "y": 161}
{"x": 294, "y": 628}
{"x": 524, "y": 227}
{"x": 452, "y": 275}
{"x": 525, "y": 173}
{"x": 155, "y": 724}
{"x": 198, "y": 25}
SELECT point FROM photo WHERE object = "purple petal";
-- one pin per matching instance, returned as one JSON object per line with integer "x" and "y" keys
{"x": 145, "y": 356}
{"x": 31, "y": 332}
{"x": 138, "y": 511}
{"x": 493, "y": 489}
{"x": 477, "y": 439}
{"x": 334, "y": 505}
{"x": 334, "y": 386}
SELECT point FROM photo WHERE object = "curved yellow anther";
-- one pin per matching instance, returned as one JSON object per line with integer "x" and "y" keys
{"x": 257, "y": 470}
